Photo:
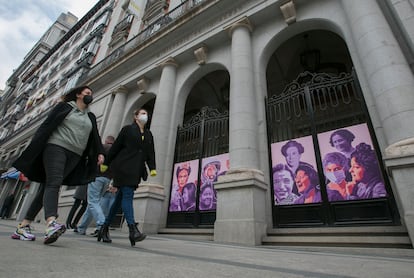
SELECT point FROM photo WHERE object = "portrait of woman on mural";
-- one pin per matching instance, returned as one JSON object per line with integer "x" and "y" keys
{"x": 213, "y": 167}
{"x": 292, "y": 151}
{"x": 189, "y": 197}
{"x": 185, "y": 173}
{"x": 284, "y": 187}
{"x": 366, "y": 174}
{"x": 291, "y": 186}
{"x": 210, "y": 172}
{"x": 341, "y": 140}
{"x": 307, "y": 184}
{"x": 360, "y": 182}
{"x": 336, "y": 170}
{"x": 207, "y": 197}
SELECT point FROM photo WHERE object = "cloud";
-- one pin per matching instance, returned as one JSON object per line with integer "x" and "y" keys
{"x": 22, "y": 24}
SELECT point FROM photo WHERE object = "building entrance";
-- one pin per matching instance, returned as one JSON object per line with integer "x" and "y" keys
{"x": 326, "y": 164}
{"x": 201, "y": 155}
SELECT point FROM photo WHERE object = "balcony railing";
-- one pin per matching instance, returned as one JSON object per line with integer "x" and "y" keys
{"x": 161, "y": 24}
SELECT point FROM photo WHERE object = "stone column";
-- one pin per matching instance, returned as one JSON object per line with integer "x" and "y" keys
{"x": 161, "y": 125}
{"x": 151, "y": 206}
{"x": 114, "y": 123}
{"x": 392, "y": 85}
{"x": 241, "y": 193}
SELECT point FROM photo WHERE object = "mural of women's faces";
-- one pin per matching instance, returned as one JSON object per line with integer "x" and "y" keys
{"x": 184, "y": 186}
{"x": 350, "y": 164}
{"x": 293, "y": 172}
{"x": 212, "y": 167}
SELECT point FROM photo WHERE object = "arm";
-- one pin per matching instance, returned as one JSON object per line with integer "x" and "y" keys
{"x": 151, "y": 153}
{"x": 97, "y": 139}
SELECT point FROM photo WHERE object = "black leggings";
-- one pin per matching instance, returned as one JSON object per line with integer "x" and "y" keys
{"x": 73, "y": 222}
{"x": 58, "y": 163}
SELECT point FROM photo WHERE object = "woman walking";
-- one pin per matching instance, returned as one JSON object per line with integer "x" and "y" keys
{"x": 132, "y": 149}
{"x": 64, "y": 150}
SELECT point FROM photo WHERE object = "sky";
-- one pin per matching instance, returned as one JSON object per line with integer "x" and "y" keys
{"x": 22, "y": 24}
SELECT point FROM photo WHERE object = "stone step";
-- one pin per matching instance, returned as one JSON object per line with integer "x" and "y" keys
{"x": 186, "y": 233}
{"x": 371, "y": 236}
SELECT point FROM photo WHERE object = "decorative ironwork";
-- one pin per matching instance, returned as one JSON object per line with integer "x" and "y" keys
{"x": 204, "y": 134}
{"x": 332, "y": 101}
{"x": 206, "y": 113}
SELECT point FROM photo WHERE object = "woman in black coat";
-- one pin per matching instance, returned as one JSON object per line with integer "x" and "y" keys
{"x": 132, "y": 149}
{"x": 64, "y": 150}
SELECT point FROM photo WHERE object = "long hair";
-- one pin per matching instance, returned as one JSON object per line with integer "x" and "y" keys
{"x": 311, "y": 173}
{"x": 71, "y": 95}
{"x": 365, "y": 156}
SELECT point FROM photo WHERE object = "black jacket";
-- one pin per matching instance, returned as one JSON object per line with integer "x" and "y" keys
{"x": 30, "y": 161}
{"x": 128, "y": 155}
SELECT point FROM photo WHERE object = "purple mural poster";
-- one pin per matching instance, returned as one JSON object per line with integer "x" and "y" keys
{"x": 184, "y": 186}
{"x": 294, "y": 173}
{"x": 350, "y": 164}
{"x": 211, "y": 169}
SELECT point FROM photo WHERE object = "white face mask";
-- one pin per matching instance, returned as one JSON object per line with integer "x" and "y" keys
{"x": 336, "y": 176}
{"x": 143, "y": 118}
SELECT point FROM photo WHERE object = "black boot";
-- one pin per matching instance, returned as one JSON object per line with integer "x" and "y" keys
{"x": 104, "y": 234}
{"x": 135, "y": 234}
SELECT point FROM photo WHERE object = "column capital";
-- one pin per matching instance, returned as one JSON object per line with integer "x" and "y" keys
{"x": 168, "y": 62}
{"x": 120, "y": 89}
{"x": 244, "y": 22}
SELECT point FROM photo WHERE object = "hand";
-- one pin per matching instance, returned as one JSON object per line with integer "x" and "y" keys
{"x": 112, "y": 189}
{"x": 101, "y": 159}
{"x": 103, "y": 168}
{"x": 350, "y": 187}
{"x": 153, "y": 173}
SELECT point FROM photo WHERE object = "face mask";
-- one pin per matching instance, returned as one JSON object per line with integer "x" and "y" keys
{"x": 87, "y": 99}
{"x": 143, "y": 118}
{"x": 336, "y": 176}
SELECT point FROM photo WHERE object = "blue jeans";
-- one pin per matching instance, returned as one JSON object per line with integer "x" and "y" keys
{"x": 94, "y": 210}
{"x": 107, "y": 200}
{"x": 124, "y": 198}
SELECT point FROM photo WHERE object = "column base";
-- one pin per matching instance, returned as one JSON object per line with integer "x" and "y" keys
{"x": 400, "y": 165}
{"x": 241, "y": 210}
{"x": 148, "y": 207}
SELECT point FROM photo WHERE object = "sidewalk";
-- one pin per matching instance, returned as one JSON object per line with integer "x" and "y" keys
{"x": 161, "y": 256}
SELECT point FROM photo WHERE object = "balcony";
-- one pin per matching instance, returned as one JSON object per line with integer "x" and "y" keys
{"x": 163, "y": 23}
{"x": 121, "y": 30}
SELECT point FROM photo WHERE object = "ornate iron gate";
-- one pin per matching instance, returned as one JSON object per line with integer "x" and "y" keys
{"x": 309, "y": 112}
{"x": 205, "y": 135}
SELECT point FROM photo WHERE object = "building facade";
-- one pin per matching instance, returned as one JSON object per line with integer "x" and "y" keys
{"x": 267, "y": 115}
